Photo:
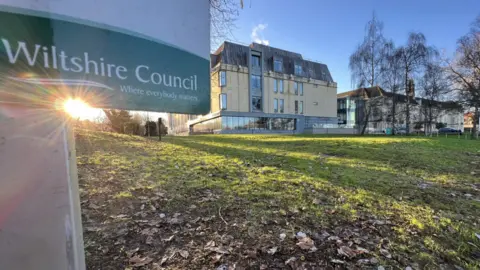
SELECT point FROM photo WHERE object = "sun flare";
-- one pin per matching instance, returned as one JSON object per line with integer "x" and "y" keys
{"x": 78, "y": 109}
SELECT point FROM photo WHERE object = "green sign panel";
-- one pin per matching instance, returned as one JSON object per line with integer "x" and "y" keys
{"x": 43, "y": 57}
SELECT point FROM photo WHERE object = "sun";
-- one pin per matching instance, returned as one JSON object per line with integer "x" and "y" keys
{"x": 79, "y": 109}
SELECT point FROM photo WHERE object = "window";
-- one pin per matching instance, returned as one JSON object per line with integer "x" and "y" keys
{"x": 277, "y": 86}
{"x": 296, "y": 106}
{"x": 222, "y": 78}
{"x": 281, "y": 105}
{"x": 298, "y": 87}
{"x": 275, "y": 105}
{"x": 298, "y": 70}
{"x": 255, "y": 61}
{"x": 277, "y": 65}
{"x": 223, "y": 101}
{"x": 256, "y": 81}
{"x": 300, "y": 107}
{"x": 257, "y": 103}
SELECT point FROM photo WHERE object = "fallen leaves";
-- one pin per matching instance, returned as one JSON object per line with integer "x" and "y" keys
{"x": 177, "y": 221}
{"x": 350, "y": 253}
{"x": 137, "y": 261}
{"x": 168, "y": 239}
{"x": 183, "y": 253}
{"x": 305, "y": 242}
{"x": 385, "y": 253}
{"x": 218, "y": 249}
{"x": 337, "y": 261}
{"x": 130, "y": 253}
{"x": 346, "y": 251}
{"x": 272, "y": 250}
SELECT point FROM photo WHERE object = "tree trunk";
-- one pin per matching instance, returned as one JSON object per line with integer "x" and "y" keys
{"x": 407, "y": 112}
{"x": 394, "y": 104}
{"x": 366, "y": 118}
{"x": 430, "y": 118}
{"x": 476, "y": 116}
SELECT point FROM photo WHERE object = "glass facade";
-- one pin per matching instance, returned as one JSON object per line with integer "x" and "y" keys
{"x": 244, "y": 123}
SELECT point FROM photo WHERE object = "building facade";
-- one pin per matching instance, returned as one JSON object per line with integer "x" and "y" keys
{"x": 261, "y": 89}
{"x": 351, "y": 111}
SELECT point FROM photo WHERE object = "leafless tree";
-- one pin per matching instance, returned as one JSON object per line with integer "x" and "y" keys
{"x": 413, "y": 56}
{"x": 223, "y": 15}
{"x": 434, "y": 85}
{"x": 392, "y": 80}
{"x": 465, "y": 71}
{"x": 366, "y": 63}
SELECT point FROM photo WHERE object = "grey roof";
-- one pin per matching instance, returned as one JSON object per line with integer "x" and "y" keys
{"x": 237, "y": 54}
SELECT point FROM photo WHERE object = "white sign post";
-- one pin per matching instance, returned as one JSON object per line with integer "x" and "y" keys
{"x": 150, "y": 55}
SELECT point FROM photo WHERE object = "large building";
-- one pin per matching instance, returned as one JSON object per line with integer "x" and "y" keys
{"x": 351, "y": 111}
{"x": 261, "y": 89}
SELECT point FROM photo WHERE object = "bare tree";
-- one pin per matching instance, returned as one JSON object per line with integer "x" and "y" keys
{"x": 392, "y": 80}
{"x": 366, "y": 63}
{"x": 465, "y": 71}
{"x": 412, "y": 56}
{"x": 434, "y": 85}
{"x": 223, "y": 15}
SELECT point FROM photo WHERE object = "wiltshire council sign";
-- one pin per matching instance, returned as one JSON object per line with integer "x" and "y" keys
{"x": 108, "y": 66}
{"x": 150, "y": 55}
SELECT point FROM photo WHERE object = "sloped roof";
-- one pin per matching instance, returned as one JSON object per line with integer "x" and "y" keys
{"x": 237, "y": 54}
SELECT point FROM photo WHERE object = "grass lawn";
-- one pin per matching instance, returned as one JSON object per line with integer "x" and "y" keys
{"x": 238, "y": 201}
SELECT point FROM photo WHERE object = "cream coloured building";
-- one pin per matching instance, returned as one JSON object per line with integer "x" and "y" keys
{"x": 261, "y": 89}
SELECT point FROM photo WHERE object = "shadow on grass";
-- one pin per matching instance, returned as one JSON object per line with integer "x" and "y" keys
{"x": 381, "y": 183}
{"x": 431, "y": 155}
{"x": 389, "y": 194}
{"x": 367, "y": 190}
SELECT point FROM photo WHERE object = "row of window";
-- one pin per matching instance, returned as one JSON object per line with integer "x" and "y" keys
{"x": 278, "y": 67}
{"x": 278, "y": 87}
{"x": 244, "y": 123}
{"x": 256, "y": 82}
{"x": 278, "y": 104}
{"x": 256, "y": 102}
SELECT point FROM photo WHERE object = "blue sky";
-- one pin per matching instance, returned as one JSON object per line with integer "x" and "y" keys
{"x": 328, "y": 31}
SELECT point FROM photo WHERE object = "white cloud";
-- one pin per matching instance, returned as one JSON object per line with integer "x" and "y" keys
{"x": 257, "y": 34}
